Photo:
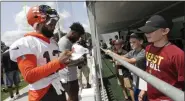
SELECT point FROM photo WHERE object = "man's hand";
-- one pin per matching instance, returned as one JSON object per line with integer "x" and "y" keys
{"x": 72, "y": 63}
{"x": 108, "y": 51}
{"x": 141, "y": 95}
{"x": 64, "y": 56}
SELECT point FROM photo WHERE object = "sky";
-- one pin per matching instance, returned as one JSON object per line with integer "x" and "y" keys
{"x": 14, "y": 24}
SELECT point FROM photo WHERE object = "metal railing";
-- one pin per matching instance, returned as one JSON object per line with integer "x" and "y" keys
{"x": 167, "y": 89}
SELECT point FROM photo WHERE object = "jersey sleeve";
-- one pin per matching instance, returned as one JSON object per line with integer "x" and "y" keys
{"x": 32, "y": 73}
{"x": 19, "y": 48}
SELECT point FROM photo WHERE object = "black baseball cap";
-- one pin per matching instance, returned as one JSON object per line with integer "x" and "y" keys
{"x": 137, "y": 36}
{"x": 155, "y": 22}
{"x": 119, "y": 41}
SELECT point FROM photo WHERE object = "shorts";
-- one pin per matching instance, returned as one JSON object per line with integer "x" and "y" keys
{"x": 51, "y": 95}
{"x": 12, "y": 78}
{"x": 122, "y": 71}
{"x": 127, "y": 82}
{"x": 72, "y": 88}
{"x": 84, "y": 70}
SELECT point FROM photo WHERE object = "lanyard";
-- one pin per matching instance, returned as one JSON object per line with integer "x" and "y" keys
{"x": 158, "y": 52}
{"x": 159, "y": 49}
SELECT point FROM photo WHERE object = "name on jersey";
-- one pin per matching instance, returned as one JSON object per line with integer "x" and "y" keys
{"x": 153, "y": 61}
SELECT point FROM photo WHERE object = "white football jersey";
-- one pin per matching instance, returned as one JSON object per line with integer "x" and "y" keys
{"x": 44, "y": 52}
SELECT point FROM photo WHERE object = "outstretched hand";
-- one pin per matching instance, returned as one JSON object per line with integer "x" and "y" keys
{"x": 64, "y": 56}
{"x": 108, "y": 51}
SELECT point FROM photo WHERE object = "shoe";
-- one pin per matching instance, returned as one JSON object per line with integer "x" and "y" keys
{"x": 12, "y": 99}
{"x": 80, "y": 89}
{"x": 17, "y": 96}
{"x": 127, "y": 99}
{"x": 3, "y": 89}
{"x": 88, "y": 85}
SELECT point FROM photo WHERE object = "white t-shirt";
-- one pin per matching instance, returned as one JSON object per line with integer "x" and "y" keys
{"x": 43, "y": 51}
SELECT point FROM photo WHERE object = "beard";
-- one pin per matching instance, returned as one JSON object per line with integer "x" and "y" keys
{"x": 47, "y": 33}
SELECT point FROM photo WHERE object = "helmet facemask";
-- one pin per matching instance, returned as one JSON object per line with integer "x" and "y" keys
{"x": 52, "y": 18}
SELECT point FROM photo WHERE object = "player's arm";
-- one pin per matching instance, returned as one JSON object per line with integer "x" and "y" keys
{"x": 75, "y": 62}
{"x": 32, "y": 73}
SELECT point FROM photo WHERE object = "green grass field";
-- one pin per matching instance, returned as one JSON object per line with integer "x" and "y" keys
{"x": 114, "y": 91}
{"x": 5, "y": 94}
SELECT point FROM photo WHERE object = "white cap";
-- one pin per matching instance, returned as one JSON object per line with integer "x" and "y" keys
{"x": 78, "y": 51}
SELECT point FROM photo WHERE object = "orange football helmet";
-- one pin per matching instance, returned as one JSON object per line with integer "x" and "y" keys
{"x": 39, "y": 14}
